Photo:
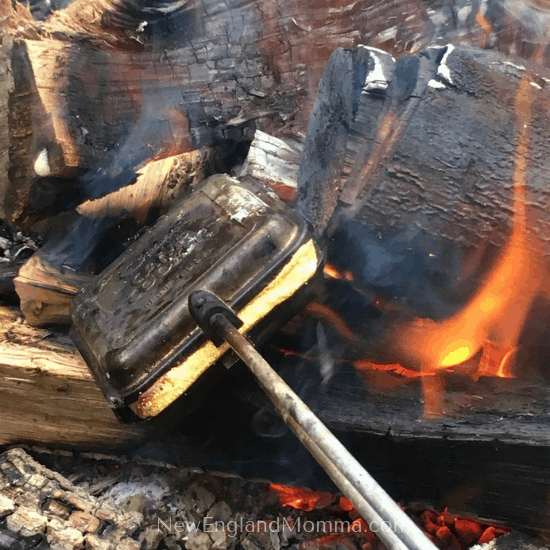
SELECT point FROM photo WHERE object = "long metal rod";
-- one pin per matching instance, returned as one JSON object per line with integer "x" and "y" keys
{"x": 348, "y": 472}
{"x": 366, "y": 511}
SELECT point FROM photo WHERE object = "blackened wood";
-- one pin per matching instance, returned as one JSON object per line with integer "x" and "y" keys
{"x": 25, "y": 128}
{"x": 451, "y": 171}
{"x": 218, "y": 69}
{"x": 224, "y": 69}
{"x": 436, "y": 172}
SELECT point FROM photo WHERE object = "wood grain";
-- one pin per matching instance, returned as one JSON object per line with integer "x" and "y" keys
{"x": 47, "y": 394}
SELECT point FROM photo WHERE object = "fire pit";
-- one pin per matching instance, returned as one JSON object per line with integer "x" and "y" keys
{"x": 422, "y": 175}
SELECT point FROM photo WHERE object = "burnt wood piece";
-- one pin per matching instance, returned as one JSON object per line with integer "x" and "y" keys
{"x": 427, "y": 144}
{"x": 46, "y": 288}
{"x": 274, "y": 162}
{"x": 199, "y": 73}
{"x": 488, "y": 457}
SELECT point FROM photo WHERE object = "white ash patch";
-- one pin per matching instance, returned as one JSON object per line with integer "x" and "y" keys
{"x": 153, "y": 488}
{"x": 463, "y": 13}
{"x": 377, "y": 79}
{"x": 436, "y": 84}
{"x": 42, "y": 164}
{"x": 444, "y": 71}
{"x": 514, "y": 65}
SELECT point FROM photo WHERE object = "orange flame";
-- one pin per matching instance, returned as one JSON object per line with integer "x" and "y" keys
{"x": 485, "y": 28}
{"x": 395, "y": 368}
{"x": 498, "y": 310}
{"x": 323, "y": 311}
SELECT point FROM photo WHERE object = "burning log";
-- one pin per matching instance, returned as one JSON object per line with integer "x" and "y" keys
{"x": 85, "y": 75}
{"x": 46, "y": 291}
{"x": 430, "y": 177}
{"x": 488, "y": 459}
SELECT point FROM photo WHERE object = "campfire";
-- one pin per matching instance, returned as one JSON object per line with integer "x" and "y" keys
{"x": 366, "y": 202}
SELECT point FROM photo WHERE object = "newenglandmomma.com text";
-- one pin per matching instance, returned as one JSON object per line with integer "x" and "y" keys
{"x": 297, "y": 525}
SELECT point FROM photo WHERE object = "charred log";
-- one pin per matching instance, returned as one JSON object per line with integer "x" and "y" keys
{"x": 93, "y": 69}
{"x": 413, "y": 175}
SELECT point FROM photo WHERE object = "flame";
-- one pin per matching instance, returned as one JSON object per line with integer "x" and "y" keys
{"x": 325, "y": 312}
{"x": 498, "y": 310}
{"x": 485, "y": 28}
{"x": 363, "y": 365}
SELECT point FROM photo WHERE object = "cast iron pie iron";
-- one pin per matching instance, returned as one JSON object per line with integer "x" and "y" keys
{"x": 132, "y": 324}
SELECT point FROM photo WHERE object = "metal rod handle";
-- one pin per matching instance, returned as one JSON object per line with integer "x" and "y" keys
{"x": 350, "y": 473}
{"x": 366, "y": 511}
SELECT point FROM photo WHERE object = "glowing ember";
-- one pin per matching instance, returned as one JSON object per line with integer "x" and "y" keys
{"x": 445, "y": 529}
{"x": 302, "y": 499}
{"x": 336, "y": 320}
{"x": 333, "y": 273}
{"x": 457, "y": 356}
{"x": 486, "y": 28}
{"x": 396, "y": 368}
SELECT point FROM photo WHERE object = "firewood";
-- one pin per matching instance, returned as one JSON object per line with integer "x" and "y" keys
{"x": 88, "y": 73}
{"x": 417, "y": 189}
{"x": 46, "y": 290}
{"x": 274, "y": 162}
{"x": 489, "y": 458}
{"x": 90, "y": 76}
{"x": 159, "y": 184}
{"x": 48, "y": 393}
